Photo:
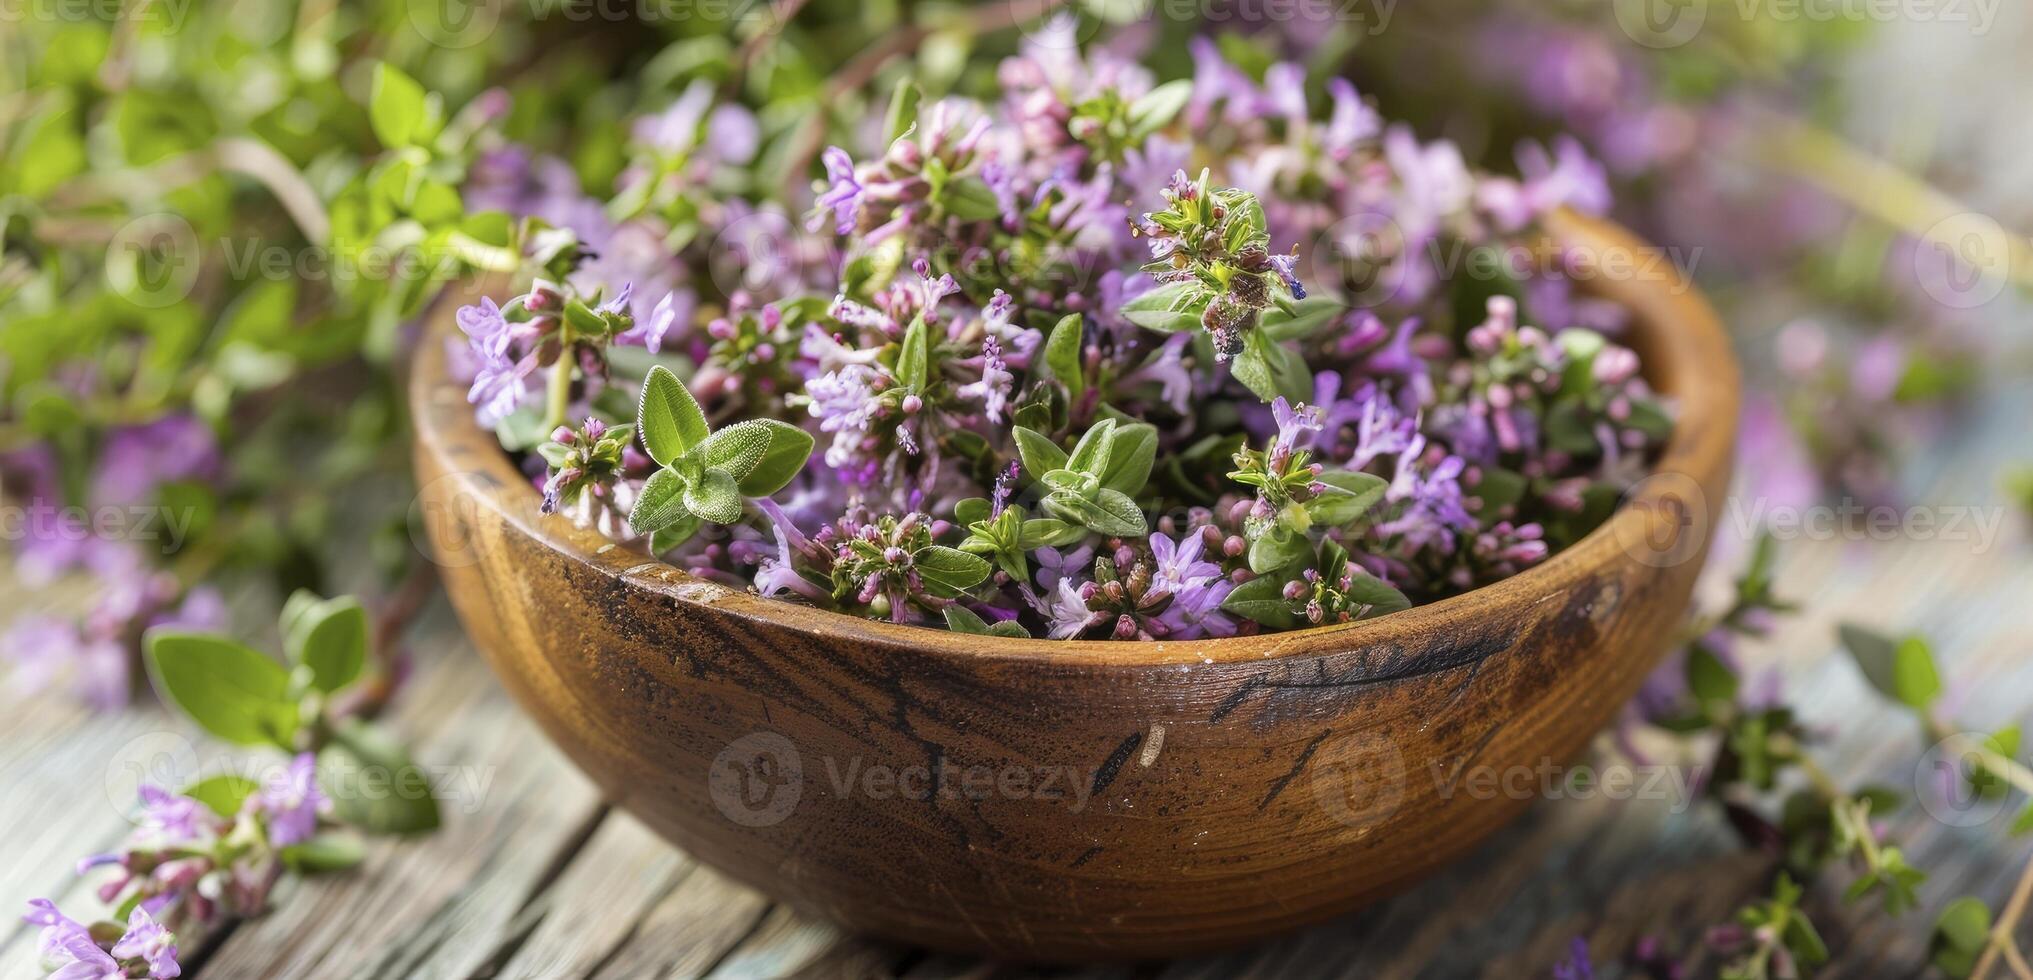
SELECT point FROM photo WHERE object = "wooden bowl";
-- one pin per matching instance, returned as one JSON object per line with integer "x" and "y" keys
{"x": 1078, "y": 800}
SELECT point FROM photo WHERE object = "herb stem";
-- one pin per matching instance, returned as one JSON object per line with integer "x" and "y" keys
{"x": 560, "y": 394}
{"x": 1997, "y": 763}
{"x": 2001, "y": 942}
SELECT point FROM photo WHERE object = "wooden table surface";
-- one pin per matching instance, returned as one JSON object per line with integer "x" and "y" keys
{"x": 533, "y": 876}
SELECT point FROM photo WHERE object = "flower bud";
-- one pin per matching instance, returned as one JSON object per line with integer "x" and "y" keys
{"x": 1615, "y": 365}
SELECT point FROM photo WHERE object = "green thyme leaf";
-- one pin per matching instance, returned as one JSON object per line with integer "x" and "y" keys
{"x": 1132, "y": 449}
{"x": 1276, "y": 549}
{"x": 970, "y": 199}
{"x": 1960, "y": 936}
{"x": 325, "y": 853}
{"x": 903, "y": 110}
{"x": 913, "y": 363}
{"x": 738, "y": 449}
{"x": 950, "y": 567}
{"x": 660, "y": 504}
{"x": 1171, "y": 308}
{"x": 1040, "y": 454}
{"x": 1155, "y": 109}
{"x": 1091, "y": 453}
{"x": 238, "y": 694}
{"x": 1380, "y": 596}
{"x": 398, "y": 109}
{"x": 1062, "y": 354}
{"x": 327, "y": 635}
{"x": 222, "y": 794}
{"x": 1902, "y": 670}
{"x": 715, "y": 497}
{"x": 669, "y": 418}
{"x": 971, "y": 510}
{"x": 1300, "y": 318}
{"x": 789, "y": 449}
{"x": 1118, "y": 515}
{"x": 1349, "y": 496}
{"x": 373, "y": 783}
{"x": 1047, "y": 532}
{"x": 1262, "y": 600}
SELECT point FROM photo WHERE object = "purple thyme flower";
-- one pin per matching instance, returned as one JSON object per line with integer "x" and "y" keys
{"x": 1066, "y": 610}
{"x": 1167, "y": 369}
{"x": 68, "y": 946}
{"x": 996, "y": 380}
{"x": 843, "y": 193}
{"x": 290, "y": 800}
{"x": 46, "y": 650}
{"x": 1055, "y": 566}
{"x": 1196, "y": 610}
{"x": 651, "y": 332}
{"x": 1434, "y": 183}
{"x": 149, "y": 942}
{"x": 1398, "y": 358}
{"x": 514, "y": 181}
{"x": 1429, "y": 500}
{"x": 730, "y": 131}
{"x": 865, "y": 317}
{"x": 1217, "y": 81}
{"x": 1351, "y": 122}
{"x": 1177, "y": 565}
{"x": 845, "y": 404}
{"x": 1285, "y": 265}
{"x": 1577, "y": 965}
{"x": 169, "y": 820}
{"x": 1567, "y": 177}
{"x": 1381, "y": 430}
{"x": 138, "y": 459}
{"x": 1294, "y": 425}
{"x": 776, "y": 573}
{"x": 501, "y": 380}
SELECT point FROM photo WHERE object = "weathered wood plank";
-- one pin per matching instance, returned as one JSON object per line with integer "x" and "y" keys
{"x": 781, "y": 944}
{"x": 690, "y": 930}
{"x": 584, "y": 919}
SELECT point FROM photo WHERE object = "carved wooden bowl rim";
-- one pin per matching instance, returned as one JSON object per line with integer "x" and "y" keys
{"x": 1686, "y": 356}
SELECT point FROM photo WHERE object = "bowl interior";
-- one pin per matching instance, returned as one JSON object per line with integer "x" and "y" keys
{"x": 1686, "y": 357}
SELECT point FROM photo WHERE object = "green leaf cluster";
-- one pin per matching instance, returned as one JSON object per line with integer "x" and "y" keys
{"x": 704, "y": 475}
{"x": 248, "y": 698}
{"x": 1095, "y": 485}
